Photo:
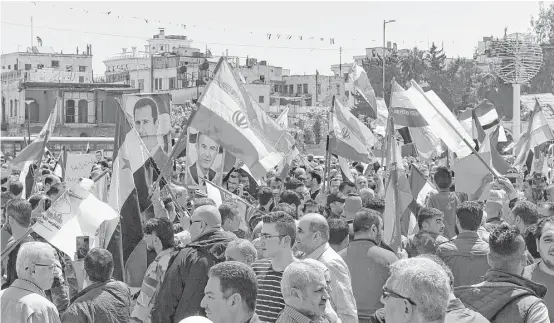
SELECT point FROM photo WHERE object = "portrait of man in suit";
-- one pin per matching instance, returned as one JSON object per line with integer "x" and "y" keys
{"x": 208, "y": 161}
{"x": 146, "y": 121}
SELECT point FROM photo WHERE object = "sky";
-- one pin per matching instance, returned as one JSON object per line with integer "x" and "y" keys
{"x": 243, "y": 28}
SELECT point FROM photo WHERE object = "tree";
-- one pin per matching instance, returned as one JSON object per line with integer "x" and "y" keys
{"x": 317, "y": 129}
{"x": 437, "y": 58}
{"x": 543, "y": 25}
{"x": 543, "y": 28}
{"x": 308, "y": 136}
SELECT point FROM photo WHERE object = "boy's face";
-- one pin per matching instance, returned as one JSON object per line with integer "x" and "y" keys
{"x": 435, "y": 225}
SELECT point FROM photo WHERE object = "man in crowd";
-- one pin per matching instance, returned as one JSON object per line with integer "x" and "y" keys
{"x": 368, "y": 263}
{"x": 241, "y": 250}
{"x": 104, "y": 299}
{"x": 229, "y": 216}
{"x": 338, "y": 234}
{"x": 314, "y": 184}
{"x": 523, "y": 215}
{"x": 305, "y": 291}
{"x": 431, "y": 227}
{"x": 183, "y": 288}
{"x": 506, "y": 296}
{"x": 352, "y": 204}
{"x": 466, "y": 254}
{"x": 230, "y": 294}
{"x": 543, "y": 271}
{"x": 312, "y": 238}
{"x": 417, "y": 292}
{"x": 18, "y": 221}
{"x": 25, "y": 300}
{"x": 277, "y": 238}
{"x": 445, "y": 200}
{"x": 335, "y": 205}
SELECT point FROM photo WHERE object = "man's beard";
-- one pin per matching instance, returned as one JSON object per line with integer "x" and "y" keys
{"x": 548, "y": 263}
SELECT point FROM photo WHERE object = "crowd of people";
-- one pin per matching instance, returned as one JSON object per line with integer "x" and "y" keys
{"x": 311, "y": 253}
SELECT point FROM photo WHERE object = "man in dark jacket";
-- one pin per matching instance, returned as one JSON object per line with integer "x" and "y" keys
{"x": 187, "y": 275}
{"x": 505, "y": 296}
{"x": 104, "y": 299}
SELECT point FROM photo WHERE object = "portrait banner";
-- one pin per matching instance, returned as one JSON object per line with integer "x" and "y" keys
{"x": 205, "y": 160}
{"x": 150, "y": 114}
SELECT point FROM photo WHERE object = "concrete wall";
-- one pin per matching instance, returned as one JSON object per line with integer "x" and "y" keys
{"x": 260, "y": 90}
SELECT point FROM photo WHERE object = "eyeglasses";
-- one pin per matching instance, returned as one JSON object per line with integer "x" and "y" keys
{"x": 268, "y": 236}
{"x": 53, "y": 265}
{"x": 191, "y": 222}
{"x": 389, "y": 293}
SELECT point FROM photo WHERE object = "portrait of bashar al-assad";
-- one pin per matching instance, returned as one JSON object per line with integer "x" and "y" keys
{"x": 145, "y": 113}
{"x": 205, "y": 166}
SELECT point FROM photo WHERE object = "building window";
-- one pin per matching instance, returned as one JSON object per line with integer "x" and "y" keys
{"x": 291, "y": 89}
{"x": 82, "y": 68}
{"x": 27, "y": 67}
{"x": 15, "y": 67}
{"x": 83, "y": 111}
{"x": 81, "y": 79}
{"x": 15, "y": 107}
{"x": 319, "y": 89}
{"x": 132, "y": 83}
{"x": 11, "y": 108}
{"x": 158, "y": 84}
{"x": 55, "y": 63}
{"x": 69, "y": 111}
{"x": 305, "y": 88}
{"x": 172, "y": 83}
{"x": 261, "y": 99}
{"x": 141, "y": 84}
{"x": 9, "y": 67}
{"x": 299, "y": 89}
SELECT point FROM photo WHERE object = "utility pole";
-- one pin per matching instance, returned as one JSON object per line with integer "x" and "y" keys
{"x": 32, "y": 38}
{"x": 385, "y": 22}
{"x": 340, "y": 61}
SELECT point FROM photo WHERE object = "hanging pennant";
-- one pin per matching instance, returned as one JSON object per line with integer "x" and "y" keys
{"x": 184, "y": 26}
{"x": 311, "y": 38}
{"x": 289, "y": 36}
{"x": 332, "y": 41}
{"x": 268, "y": 36}
{"x": 146, "y": 20}
{"x": 278, "y": 36}
{"x": 300, "y": 37}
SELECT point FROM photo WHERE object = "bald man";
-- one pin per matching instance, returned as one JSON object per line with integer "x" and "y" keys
{"x": 183, "y": 289}
{"x": 312, "y": 238}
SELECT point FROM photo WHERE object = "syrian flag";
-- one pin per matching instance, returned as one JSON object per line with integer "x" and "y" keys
{"x": 398, "y": 195}
{"x": 128, "y": 196}
{"x": 538, "y": 132}
{"x": 34, "y": 150}
{"x": 283, "y": 119}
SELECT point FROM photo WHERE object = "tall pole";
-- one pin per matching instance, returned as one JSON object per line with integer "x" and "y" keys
{"x": 32, "y": 38}
{"x": 340, "y": 61}
{"x": 384, "y": 36}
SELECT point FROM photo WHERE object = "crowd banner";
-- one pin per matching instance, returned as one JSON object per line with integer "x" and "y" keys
{"x": 78, "y": 166}
{"x": 205, "y": 160}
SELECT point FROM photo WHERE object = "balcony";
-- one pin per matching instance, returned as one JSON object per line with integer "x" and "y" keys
{"x": 128, "y": 56}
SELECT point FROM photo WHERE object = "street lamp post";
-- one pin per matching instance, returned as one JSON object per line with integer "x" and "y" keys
{"x": 385, "y": 22}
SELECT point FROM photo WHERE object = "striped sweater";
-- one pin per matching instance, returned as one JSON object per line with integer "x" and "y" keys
{"x": 270, "y": 299}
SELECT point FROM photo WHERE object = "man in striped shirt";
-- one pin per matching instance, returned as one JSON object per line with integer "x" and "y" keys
{"x": 277, "y": 238}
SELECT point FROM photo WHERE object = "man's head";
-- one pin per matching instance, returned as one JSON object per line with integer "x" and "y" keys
{"x": 524, "y": 214}
{"x": 417, "y": 291}
{"x": 146, "y": 117}
{"x": 335, "y": 202}
{"x": 265, "y": 195}
{"x": 546, "y": 208}
{"x": 49, "y": 181}
{"x": 347, "y": 188}
{"x": 207, "y": 150}
{"x": 431, "y": 220}
{"x": 352, "y": 205}
{"x": 55, "y": 191}
{"x": 15, "y": 188}
{"x": 334, "y": 186}
{"x": 278, "y": 234}
{"x": 338, "y": 234}
{"x": 469, "y": 215}
{"x": 233, "y": 182}
{"x": 36, "y": 262}
{"x": 312, "y": 232}
{"x": 310, "y": 206}
{"x": 230, "y": 219}
{"x": 544, "y": 236}
{"x": 99, "y": 155}
{"x": 293, "y": 199}
{"x": 299, "y": 171}
{"x": 314, "y": 179}
{"x": 507, "y": 249}
{"x": 241, "y": 250}
{"x": 443, "y": 177}
{"x": 368, "y": 224}
{"x": 441, "y": 263}
{"x": 18, "y": 214}
{"x": 361, "y": 182}
{"x": 377, "y": 204}
{"x": 158, "y": 233}
{"x": 293, "y": 184}
{"x": 230, "y": 293}
{"x": 99, "y": 265}
{"x": 304, "y": 286}
{"x": 276, "y": 185}
{"x": 366, "y": 194}
{"x": 204, "y": 219}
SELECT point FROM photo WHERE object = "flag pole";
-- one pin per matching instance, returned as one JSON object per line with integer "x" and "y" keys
{"x": 41, "y": 154}
{"x": 326, "y": 171}
{"x": 417, "y": 87}
{"x": 238, "y": 197}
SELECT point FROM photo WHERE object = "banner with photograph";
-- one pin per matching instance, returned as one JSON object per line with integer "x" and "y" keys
{"x": 150, "y": 114}
{"x": 205, "y": 160}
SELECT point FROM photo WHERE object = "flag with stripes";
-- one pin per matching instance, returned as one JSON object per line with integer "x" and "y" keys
{"x": 363, "y": 92}
{"x": 398, "y": 195}
{"x": 349, "y": 137}
{"x": 220, "y": 195}
{"x": 228, "y": 114}
{"x": 538, "y": 132}
{"x": 129, "y": 196}
{"x": 283, "y": 119}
